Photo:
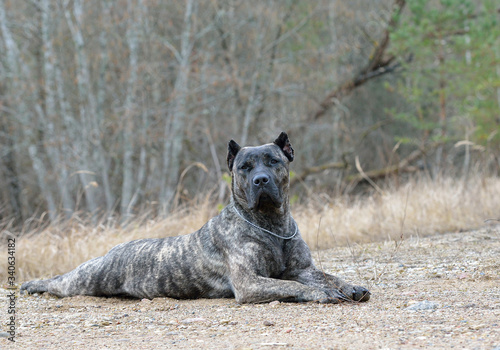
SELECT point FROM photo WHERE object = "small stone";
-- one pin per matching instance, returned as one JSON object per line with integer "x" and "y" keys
{"x": 274, "y": 303}
{"x": 193, "y": 320}
{"x": 268, "y": 323}
{"x": 469, "y": 306}
{"x": 4, "y": 335}
{"x": 423, "y": 305}
{"x": 476, "y": 327}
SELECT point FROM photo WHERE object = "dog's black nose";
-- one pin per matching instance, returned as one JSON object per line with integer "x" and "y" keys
{"x": 260, "y": 180}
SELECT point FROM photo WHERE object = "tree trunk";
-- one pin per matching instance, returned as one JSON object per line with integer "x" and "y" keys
{"x": 41, "y": 174}
{"x": 440, "y": 153}
{"x": 128, "y": 131}
{"x": 102, "y": 159}
{"x": 54, "y": 139}
{"x": 253, "y": 102}
{"x": 498, "y": 73}
{"x": 174, "y": 128}
{"x": 87, "y": 108}
{"x": 12, "y": 183}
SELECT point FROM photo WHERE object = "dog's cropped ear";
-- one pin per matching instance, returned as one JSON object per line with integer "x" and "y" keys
{"x": 284, "y": 143}
{"x": 232, "y": 149}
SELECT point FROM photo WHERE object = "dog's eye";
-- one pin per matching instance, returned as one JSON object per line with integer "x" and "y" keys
{"x": 274, "y": 161}
{"x": 244, "y": 167}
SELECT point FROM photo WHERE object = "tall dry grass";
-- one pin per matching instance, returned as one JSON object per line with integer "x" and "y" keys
{"x": 420, "y": 207}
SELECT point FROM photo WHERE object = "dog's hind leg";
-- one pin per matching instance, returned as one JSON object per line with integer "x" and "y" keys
{"x": 33, "y": 287}
{"x": 83, "y": 280}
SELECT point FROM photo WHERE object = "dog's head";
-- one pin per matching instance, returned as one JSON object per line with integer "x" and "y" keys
{"x": 260, "y": 175}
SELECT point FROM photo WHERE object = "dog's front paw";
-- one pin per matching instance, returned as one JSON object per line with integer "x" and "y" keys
{"x": 358, "y": 293}
{"x": 353, "y": 293}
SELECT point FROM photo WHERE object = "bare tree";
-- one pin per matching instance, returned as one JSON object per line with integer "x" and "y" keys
{"x": 130, "y": 109}
{"x": 87, "y": 106}
{"x": 176, "y": 119}
{"x": 54, "y": 139}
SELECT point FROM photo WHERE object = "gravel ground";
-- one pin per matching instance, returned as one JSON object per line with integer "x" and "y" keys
{"x": 437, "y": 292}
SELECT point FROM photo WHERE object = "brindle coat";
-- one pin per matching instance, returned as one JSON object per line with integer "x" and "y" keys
{"x": 230, "y": 256}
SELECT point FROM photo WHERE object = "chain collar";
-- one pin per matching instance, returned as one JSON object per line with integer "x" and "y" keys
{"x": 263, "y": 229}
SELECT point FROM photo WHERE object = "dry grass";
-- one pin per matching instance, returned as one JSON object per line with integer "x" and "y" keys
{"x": 431, "y": 207}
{"x": 419, "y": 208}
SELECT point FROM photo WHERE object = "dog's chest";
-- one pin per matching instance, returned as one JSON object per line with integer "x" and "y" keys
{"x": 274, "y": 260}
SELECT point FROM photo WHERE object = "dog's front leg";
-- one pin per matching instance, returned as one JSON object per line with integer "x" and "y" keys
{"x": 250, "y": 286}
{"x": 257, "y": 289}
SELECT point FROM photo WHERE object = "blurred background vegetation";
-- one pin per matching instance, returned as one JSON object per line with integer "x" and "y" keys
{"x": 125, "y": 107}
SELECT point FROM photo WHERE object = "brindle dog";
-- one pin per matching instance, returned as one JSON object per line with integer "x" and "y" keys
{"x": 252, "y": 250}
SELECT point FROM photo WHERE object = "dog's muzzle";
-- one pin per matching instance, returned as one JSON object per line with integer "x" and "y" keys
{"x": 263, "y": 193}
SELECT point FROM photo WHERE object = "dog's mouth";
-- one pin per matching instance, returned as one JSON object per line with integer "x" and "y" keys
{"x": 263, "y": 200}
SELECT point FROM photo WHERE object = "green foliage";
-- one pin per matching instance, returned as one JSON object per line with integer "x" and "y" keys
{"x": 404, "y": 140}
{"x": 454, "y": 50}
{"x": 227, "y": 178}
{"x": 416, "y": 122}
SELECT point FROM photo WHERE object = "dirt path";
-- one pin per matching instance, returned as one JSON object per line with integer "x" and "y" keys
{"x": 454, "y": 277}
